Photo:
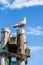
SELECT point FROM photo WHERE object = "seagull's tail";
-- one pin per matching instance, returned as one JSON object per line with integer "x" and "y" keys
{"x": 15, "y": 26}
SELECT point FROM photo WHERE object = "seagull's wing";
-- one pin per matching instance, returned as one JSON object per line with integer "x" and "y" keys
{"x": 20, "y": 24}
{"x": 15, "y": 25}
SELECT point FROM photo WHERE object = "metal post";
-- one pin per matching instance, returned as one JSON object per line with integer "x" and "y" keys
{"x": 21, "y": 46}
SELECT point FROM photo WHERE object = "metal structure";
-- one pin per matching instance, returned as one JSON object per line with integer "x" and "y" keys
{"x": 13, "y": 47}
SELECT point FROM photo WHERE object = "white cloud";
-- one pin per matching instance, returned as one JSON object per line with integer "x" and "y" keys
{"x": 35, "y": 48}
{"x": 35, "y": 30}
{"x": 20, "y": 3}
{"x": 4, "y": 1}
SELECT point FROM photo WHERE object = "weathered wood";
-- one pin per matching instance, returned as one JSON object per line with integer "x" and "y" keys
{"x": 9, "y": 54}
{"x": 13, "y": 40}
{"x": 27, "y": 52}
{"x": 12, "y": 48}
{"x": 20, "y": 46}
{"x": 5, "y": 36}
{"x": 20, "y": 41}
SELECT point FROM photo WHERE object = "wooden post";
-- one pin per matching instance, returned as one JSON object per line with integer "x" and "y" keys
{"x": 20, "y": 46}
{"x": 4, "y": 60}
{"x": 5, "y": 36}
{"x": 4, "y": 41}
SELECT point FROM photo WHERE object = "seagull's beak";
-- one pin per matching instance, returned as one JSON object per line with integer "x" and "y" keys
{"x": 26, "y": 18}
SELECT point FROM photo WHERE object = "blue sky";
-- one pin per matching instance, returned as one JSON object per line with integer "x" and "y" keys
{"x": 13, "y": 11}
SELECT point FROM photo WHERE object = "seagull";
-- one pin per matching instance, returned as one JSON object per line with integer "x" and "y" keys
{"x": 20, "y": 24}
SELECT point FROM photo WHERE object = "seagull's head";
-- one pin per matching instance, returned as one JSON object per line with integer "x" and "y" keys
{"x": 25, "y": 20}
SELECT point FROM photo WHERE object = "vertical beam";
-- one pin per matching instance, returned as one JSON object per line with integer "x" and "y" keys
{"x": 9, "y": 58}
{"x": 4, "y": 60}
{"x": 4, "y": 40}
{"x": 5, "y": 36}
{"x": 21, "y": 46}
{"x": 20, "y": 40}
